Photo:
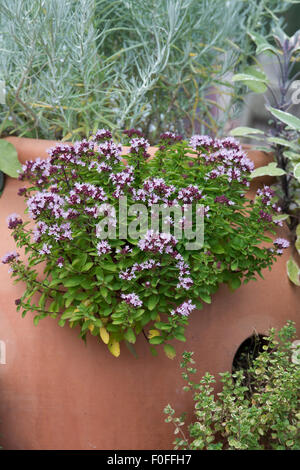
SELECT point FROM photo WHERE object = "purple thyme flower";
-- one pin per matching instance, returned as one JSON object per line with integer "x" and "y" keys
{"x": 9, "y": 257}
{"x": 198, "y": 141}
{"x": 281, "y": 244}
{"x": 266, "y": 195}
{"x": 124, "y": 250}
{"x": 189, "y": 194}
{"x": 90, "y": 190}
{"x": 131, "y": 132}
{"x": 185, "y": 283}
{"x": 13, "y": 220}
{"x": 60, "y": 262}
{"x": 154, "y": 190}
{"x": 42, "y": 201}
{"x": 158, "y": 242}
{"x": 224, "y": 200}
{"x": 132, "y": 299}
{"x": 102, "y": 134}
{"x": 41, "y": 229}
{"x": 99, "y": 167}
{"x": 103, "y": 248}
{"x": 230, "y": 142}
{"x": 184, "y": 309}
{"x": 82, "y": 147}
{"x": 129, "y": 274}
{"x": 138, "y": 143}
{"x": 265, "y": 216}
{"x": 170, "y": 137}
{"x": 122, "y": 180}
{"x": 22, "y": 191}
{"x": 46, "y": 249}
{"x": 111, "y": 151}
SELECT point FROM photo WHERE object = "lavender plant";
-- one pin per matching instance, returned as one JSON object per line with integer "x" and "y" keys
{"x": 112, "y": 284}
{"x": 282, "y": 138}
{"x": 124, "y": 63}
{"x": 257, "y": 409}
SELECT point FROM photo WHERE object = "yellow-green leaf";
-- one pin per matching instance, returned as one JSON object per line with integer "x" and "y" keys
{"x": 153, "y": 333}
{"x": 114, "y": 347}
{"x": 293, "y": 271}
{"x": 170, "y": 351}
{"x": 104, "y": 335}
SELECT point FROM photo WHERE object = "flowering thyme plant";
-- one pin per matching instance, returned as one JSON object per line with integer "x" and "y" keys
{"x": 115, "y": 239}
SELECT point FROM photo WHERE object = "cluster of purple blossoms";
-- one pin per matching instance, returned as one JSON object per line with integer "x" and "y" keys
{"x": 189, "y": 194}
{"x": 102, "y": 134}
{"x": 139, "y": 143}
{"x": 170, "y": 137}
{"x": 107, "y": 210}
{"x": 84, "y": 146}
{"x": 154, "y": 190}
{"x": 185, "y": 282}
{"x": 132, "y": 300}
{"x": 46, "y": 249}
{"x": 124, "y": 250}
{"x": 89, "y": 190}
{"x": 9, "y": 257}
{"x": 66, "y": 154}
{"x": 111, "y": 151}
{"x": 70, "y": 214}
{"x": 224, "y": 200}
{"x": 132, "y": 132}
{"x": 103, "y": 248}
{"x": 157, "y": 242}
{"x": 281, "y": 244}
{"x": 39, "y": 169}
{"x": 99, "y": 167}
{"x": 265, "y": 216}
{"x": 121, "y": 180}
{"x": 13, "y": 220}
{"x": 127, "y": 275}
{"x": 233, "y": 162}
{"x": 130, "y": 274}
{"x": 42, "y": 201}
{"x": 60, "y": 232}
{"x": 60, "y": 262}
{"x": 266, "y": 195}
{"x": 231, "y": 142}
{"x": 91, "y": 211}
{"x": 41, "y": 229}
{"x": 184, "y": 309}
{"x": 22, "y": 191}
{"x": 201, "y": 141}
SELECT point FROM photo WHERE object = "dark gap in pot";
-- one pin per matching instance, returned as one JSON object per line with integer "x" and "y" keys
{"x": 247, "y": 352}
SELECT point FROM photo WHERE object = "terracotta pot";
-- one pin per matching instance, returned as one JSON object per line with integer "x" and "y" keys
{"x": 57, "y": 393}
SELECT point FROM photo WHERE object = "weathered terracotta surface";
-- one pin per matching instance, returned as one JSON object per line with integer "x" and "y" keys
{"x": 57, "y": 393}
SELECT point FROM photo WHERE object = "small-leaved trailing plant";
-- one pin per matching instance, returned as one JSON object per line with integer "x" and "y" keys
{"x": 283, "y": 136}
{"x": 257, "y": 409}
{"x": 116, "y": 286}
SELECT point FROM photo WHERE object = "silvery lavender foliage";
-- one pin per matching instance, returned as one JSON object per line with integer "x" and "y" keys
{"x": 80, "y": 63}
